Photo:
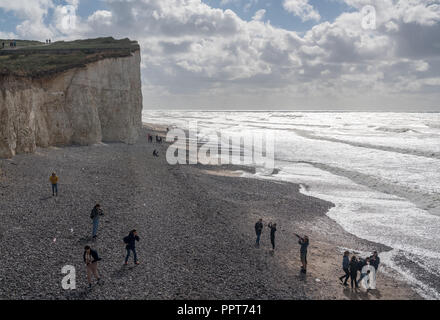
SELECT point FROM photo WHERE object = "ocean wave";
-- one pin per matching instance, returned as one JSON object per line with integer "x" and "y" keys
{"x": 433, "y": 125}
{"x": 396, "y": 130}
{"x": 413, "y": 152}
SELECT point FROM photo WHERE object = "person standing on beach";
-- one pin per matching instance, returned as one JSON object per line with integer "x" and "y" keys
{"x": 54, "y": 181}
{"x": 91, "y": 259}
{"x": 273, "y": 229}
{"x": 258, "y": 231}
{"x": 361, "y": 265}
{"x": 345, "y": 267}
{"x": 95, "y": 215}
{"x": 130, "y": 242}
{"x": 304, "y": 242}
{"x": 354, "y": 266}
{"x": 375, "y": 261}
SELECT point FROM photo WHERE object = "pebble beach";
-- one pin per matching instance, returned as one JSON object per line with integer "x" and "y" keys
{"x": 195, "y": 223}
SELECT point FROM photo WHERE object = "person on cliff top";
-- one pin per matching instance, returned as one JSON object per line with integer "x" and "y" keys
{"x": 273, "y": 229}
{"x": 95, "y": 215}
{"x": 130, "y": 242}
{"x": 304, "y": 243}
{"x": 91, "y": 259}
{"x": 54, "y": 181}
{"x": 258, "y": 231}
{"x": 346, "y": 268}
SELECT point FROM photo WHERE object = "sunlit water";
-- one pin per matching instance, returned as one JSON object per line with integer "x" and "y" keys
{"x": 381, "y": 170}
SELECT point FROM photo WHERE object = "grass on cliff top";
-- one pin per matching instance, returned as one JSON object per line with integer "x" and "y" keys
{"x": 36, "y": 59}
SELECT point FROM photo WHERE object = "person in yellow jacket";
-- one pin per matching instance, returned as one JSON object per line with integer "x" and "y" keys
{"x": 54, "y": 181}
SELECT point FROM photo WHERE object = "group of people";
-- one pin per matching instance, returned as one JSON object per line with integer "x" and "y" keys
{"x": 302, "y": 241}
{"x": 367, "y": 267}
{"x": 150, "y": 138}
{"x": 90, "y": 255}
{"x": 352, "y": 266}
{"x": 48, "y": 41}
{"x": 12, "y": 44}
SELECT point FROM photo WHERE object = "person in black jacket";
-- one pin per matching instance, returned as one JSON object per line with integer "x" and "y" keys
{"x": 91, "y": 259}
{"x": 130, "y": 242}
{"x": 258, "y": 230}
{"x": 345, "y": 267}
{"x": 354, "y": 267}
{"x": 375, "y": 260}
{"x": 273, "y": 229}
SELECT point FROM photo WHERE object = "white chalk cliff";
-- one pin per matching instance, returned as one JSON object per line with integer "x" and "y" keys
{"x": 99, "y": 102}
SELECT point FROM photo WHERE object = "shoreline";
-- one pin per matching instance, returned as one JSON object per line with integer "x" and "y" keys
{"x": 195, "y": 223}
{"x": 362, "y": 245}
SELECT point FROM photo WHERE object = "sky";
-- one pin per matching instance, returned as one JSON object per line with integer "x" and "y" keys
{"x": 365, "y": 55}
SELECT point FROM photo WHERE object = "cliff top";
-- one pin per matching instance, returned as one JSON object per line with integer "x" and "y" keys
{"x": 37, "y": 59}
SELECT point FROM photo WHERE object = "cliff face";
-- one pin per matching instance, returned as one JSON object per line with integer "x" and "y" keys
{"x": 99, "y": 102}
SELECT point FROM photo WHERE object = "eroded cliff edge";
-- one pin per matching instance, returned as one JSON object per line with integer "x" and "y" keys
{"x": 83, "y": 105}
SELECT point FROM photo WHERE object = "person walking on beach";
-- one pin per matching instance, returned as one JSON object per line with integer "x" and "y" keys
{"x": 54, "y": 181}
{"x": 258, "y": 231}
{"x": 354, "y": 267}
{"x": 304, "y": 242}
{"x": 345, "y": 267}
{"x": 273, "y": 229}
{"x": 130, "y": 242}
{"x": 91, "y": 259}
{"x": 95, "y": 215}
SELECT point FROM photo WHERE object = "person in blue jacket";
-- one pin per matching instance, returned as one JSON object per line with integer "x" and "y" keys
{"x": 304, "y": 243}
{"x": 345, "y": 267}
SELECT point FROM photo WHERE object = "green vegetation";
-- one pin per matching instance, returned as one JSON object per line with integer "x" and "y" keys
{"x": 36, "y": 59}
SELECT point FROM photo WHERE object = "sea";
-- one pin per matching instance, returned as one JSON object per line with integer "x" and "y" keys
{"x": 380, "y": 169}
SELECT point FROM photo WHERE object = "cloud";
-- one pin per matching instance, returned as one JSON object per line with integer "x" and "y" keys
{"x": 302, "y": 9}
{"x": 194, "y": 55}
{"x": 32, "y": 14}
{"x": 259, "y": 15}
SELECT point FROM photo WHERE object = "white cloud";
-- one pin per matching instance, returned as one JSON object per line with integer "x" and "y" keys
{"x": 302, "y": 9}
{"x": 194, "y": 55}
{"x": 32, "y": 14}
{"x": 259, "y": 15}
